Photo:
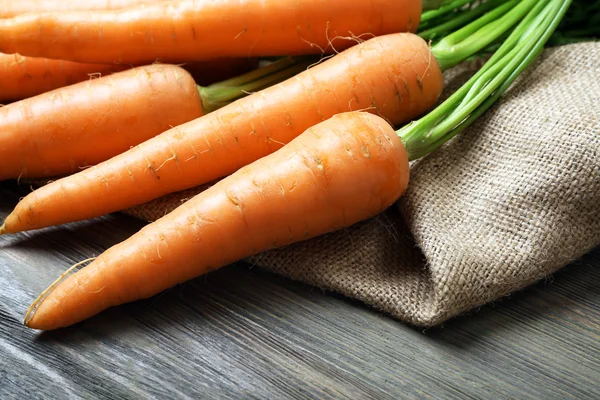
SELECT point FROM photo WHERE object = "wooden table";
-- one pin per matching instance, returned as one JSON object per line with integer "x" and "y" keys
{"x": 243, "y": 333}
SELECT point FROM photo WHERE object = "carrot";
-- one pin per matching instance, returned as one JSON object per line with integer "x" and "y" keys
{"x": 393, "y": 75}
{"x": 11, "y": 8}
{"x": 62, "y": 131}
{"x": 338, "y": 172}
{"x": 22, "y": 77}
{"x": 341, "y": 171}
{"x": 186, "y": 30}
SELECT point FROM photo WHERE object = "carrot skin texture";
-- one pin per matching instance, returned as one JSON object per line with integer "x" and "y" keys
{"x": 11, "y": 8}
{"x": 187, "y": 30}
{"x": 62, "y": 131}
{"x": 339, "y": 172}
{"x": 393, "y": 75}
{"x": 23, "y": 77}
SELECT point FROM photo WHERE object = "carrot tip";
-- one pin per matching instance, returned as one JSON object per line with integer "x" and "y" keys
{"x": 30, "y": 313}
{"x": 3, "y": 229}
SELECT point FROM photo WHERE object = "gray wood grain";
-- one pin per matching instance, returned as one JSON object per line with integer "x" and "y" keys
{"x": 243, "y": 333}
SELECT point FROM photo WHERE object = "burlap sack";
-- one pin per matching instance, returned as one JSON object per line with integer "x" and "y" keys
{"x": 511, "y": 200}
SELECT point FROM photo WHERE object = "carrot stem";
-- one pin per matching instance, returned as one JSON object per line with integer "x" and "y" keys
{"x": 445, "y": 8}
{"x": 459, "y": 111}
{"x": 456, "y": 47}
{"x": 458, "y": 16}
{"x": 431, "y": 4}
{"x": 222, "y": 93}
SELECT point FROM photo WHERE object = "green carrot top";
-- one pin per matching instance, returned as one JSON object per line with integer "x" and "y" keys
{"x": 535, "y": 22}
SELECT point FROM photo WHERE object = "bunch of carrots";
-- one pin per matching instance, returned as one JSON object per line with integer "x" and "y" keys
{"x": 315, "y": 137}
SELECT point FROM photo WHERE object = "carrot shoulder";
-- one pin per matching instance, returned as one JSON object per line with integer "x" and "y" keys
{"x": 186, "y": 30}
{"x": 394, "y": 76}
{"x": 339, "y": 172}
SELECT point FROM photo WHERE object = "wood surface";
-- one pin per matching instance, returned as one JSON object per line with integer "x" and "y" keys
{"x": 242, "y": 333}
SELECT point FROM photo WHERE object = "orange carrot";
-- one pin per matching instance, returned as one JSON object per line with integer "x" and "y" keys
{"x": 22, "y": 77}
{"x": 186, "y": 30}
{"x": 338, "y": 172}
{"x": 394, "y": 76}
{"x": 11, "y": 8}
{"x": 341, "y": 171}
{"x": 62, "y": 131}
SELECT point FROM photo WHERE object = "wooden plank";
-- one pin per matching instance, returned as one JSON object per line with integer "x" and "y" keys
{"x": 243, "y": 333}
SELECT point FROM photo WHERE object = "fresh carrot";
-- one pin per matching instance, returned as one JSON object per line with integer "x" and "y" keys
{"x": 65, "y": 130}
{"x": 393, "y": 75}
{"x": 343, "y": 170}
{"x": 187, "y": 30}
{"x": 22, "y": 77}
{"x": 61, "y": 131}
{"x": 11, "y": 8}
{"x": 338, "y": 172}
{"x": 400, "y": 78}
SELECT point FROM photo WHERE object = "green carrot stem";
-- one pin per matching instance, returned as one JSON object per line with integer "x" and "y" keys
{"x": 519, "y": 50}
{"x": 454, "y": 101}
{"x": 528, "y": 55}
{"x": 444, "y": 8}
{"x": 456, "y": 47}
{"x": 455, "y": 20}
{"x": 482, "y": 107}
{"x": 522, "y": 32}
{"x": 431, "y": 4}
{"x": 222, "y": 93}
{"x": 455, "y": 109}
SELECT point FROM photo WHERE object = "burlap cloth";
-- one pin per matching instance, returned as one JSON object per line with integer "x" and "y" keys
{"x": 509, "y": 201}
